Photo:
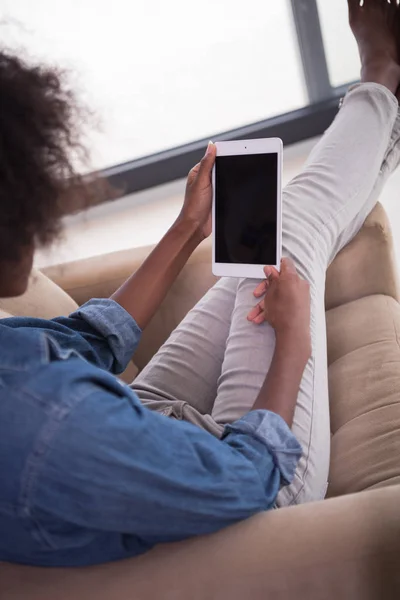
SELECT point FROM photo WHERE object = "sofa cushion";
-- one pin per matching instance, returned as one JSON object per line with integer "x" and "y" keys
{"x": 43, "y": 299}
{"x": 364, "y": 381}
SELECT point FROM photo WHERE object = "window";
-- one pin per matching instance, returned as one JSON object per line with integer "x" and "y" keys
{"x": 340, "y": 45}
{"x": 162, "y": 75}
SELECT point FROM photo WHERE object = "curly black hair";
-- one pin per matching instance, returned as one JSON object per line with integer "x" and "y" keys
{"x": 39, "y": 133}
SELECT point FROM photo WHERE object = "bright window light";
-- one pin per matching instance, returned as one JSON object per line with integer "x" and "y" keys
{"x": 160, "y": 74}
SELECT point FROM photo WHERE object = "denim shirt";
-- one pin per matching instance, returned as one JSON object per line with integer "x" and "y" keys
{"x": 88, "y": 475}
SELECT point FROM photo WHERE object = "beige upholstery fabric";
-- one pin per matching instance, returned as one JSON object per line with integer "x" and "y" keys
{"x": 43, "y": 299}
{"x": 100, "y": 276}
{"x": 366, "y": 266}
{"x": 364, "y": 382}
{"x": 130, "y": 373}
{"x": 346, "y": 548}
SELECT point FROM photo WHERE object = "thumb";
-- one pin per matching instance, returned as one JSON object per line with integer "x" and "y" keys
{"x": 288, "y": 267}
{"x": 271, "y": 273}
{"x": 207, "y": 162}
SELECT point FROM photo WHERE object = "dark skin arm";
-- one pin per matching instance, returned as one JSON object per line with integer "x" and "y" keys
{"x": 281, "y": 386}
{"x": 286, "y": 307}
{"x": 142, "y": 294}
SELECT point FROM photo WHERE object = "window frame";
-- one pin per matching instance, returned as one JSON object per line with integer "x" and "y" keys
{"x": 292, "y": 127}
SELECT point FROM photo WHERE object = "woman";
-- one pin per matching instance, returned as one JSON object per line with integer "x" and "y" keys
{"x": 89, "y": 473}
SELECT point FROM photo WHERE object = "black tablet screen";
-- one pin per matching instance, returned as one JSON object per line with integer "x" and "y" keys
{"x": 246, "y": 209}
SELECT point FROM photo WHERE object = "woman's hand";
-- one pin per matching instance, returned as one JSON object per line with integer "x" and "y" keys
{"x": 286, "y": 305}
{"x": 196, "y": 210}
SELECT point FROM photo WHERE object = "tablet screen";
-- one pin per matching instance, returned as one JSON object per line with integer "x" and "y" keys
{"x": 246, "y": 209}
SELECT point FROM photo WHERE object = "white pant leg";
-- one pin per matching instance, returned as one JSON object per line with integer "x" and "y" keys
{"x": 181, "y": 380}
{"x": 323, "y": 207}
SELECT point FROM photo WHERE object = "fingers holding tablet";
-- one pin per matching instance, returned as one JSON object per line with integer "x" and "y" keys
{"x": 286, "y": 302}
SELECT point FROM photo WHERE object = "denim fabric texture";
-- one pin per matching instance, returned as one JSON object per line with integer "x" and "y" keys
{"x": 88, "y": 475}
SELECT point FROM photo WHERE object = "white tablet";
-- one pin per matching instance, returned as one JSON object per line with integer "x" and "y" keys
{"x": 247, "y": 207}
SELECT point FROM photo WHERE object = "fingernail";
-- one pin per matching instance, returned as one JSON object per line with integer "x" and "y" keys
{"x": 209, "y": 147}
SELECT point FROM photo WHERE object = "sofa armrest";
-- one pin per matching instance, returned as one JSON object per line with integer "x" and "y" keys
{"x": 344, "y": 548}
{"x": 366, "y": 266}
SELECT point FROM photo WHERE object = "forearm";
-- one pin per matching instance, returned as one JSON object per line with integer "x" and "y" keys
{"x": 281, "y": 387}
{"x": 142, "y": 294}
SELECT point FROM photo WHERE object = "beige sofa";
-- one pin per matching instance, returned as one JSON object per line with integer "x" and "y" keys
{"x": 347, "y": 546}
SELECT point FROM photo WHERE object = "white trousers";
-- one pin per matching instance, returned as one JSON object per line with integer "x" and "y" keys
{"x": 210, "y": 370}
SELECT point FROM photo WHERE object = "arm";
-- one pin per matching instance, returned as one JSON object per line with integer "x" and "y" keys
{"x": 286, "y": 307}
{"x": 143, "y": 293}
{"x": 281, "y": 387}
{"x": 116, "y": 466}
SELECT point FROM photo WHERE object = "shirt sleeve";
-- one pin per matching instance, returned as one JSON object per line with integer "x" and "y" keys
{"x": 117, "y": 466}
{"x": 273, "y": 432}
{"x": 101, "y": 331}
